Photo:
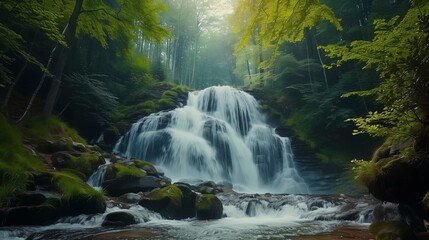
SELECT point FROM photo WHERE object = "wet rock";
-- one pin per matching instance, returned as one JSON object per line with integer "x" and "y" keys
{"x": 119, "y": 219}
{"x": 83, "y": 204}
{"x": 127, "y": 184}
{"x": 28, "y": 199}
{"x": 130, "y": 198}
{"x": 111, "y": 135}
{"x": 208, "y": 206}
{"x": 84, "y": 162}
{"x": 391, "y": 230}
{"x": 50, "y": 146}
{"x": 167, "y": 201}
{"x": 42, "y": 214}
{"x": 188, "y": 201}
{"x": 251, "y": 207}
{"x": 386, "y": 212}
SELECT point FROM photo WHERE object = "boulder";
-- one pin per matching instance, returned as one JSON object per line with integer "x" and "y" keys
{"x": 42, "y": 214}
{"x": 127, "y": 184}
{"x": 111, "y": 135}
{"x": 28, "y": 199}
{"x": 83, "y": 204}
{"x": 50, "y": 146}
{"x": 119, "y": 219}
{"x": 391, "y": 230}
{"x": 188, "y": 201}
{"x": 84, "y": 162}
{"x": 208, "y": 206}
{"x": 130, "y": 198}
{"x": 167, "y": 201}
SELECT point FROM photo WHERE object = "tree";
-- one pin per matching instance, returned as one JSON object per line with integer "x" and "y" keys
{"x": 271, "y": 23}
{"x": 399, "y": 53}
{"x": 103, "y": 22}
{"x": 20, "y": 23}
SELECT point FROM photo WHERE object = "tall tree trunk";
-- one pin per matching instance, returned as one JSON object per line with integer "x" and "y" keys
{"x": 62, "y": 59}
{"x": 194, "y": 61}
{"x": 321, "y": 64}
{"x": 308, "y": 65}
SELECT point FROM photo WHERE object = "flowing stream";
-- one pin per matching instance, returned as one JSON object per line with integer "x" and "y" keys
{"x": 247, "y": 216}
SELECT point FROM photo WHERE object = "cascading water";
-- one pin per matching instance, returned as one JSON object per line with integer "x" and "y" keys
{"x": 219, "y": 135}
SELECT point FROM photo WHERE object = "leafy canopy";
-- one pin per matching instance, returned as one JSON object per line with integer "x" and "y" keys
{"x": 17, "y": 17}
{"x": 271, "y": 23}
{"x": 399, "y": 53}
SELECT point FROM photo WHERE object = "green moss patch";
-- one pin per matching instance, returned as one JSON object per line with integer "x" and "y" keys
{"x": 71, "y": 185}
{"x": 127, "y": 170}
{"x": 142, "y": 164}
{"x": 170, "y": 191}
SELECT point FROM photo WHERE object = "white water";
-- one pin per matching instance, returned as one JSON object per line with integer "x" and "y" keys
{"x": 219, "y": 135}
{"x": 247, "y": 217}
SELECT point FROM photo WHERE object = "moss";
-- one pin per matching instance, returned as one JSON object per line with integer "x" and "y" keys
{"x": 166, "y": 103}
{"x": 170, "y": 191}
{"x": 365, "y": 171}
{"x": 85, "y": 163}
{"x": 169, "y": 94}
{"x": 42, "y": 128}
{"x": 205, "y": 201}
{"x": 127, "y": 170}
{"x": 71, "y": 185}
{"x": 142, "y": 164}
{"x": 208, "y": 206}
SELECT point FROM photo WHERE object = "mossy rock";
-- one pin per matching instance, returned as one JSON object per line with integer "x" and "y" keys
{"x": 111, "y": 135}
{"x": 77, "y": 196}
{"x": 391, "y": 230}
{"x": 85, "y": 163}
{"x": 145, "y": 165}
{"x": 50, "y": 146}
{"x": 167, "y": 201}
{"x": 122, "y": 170}
{"x": 119, "y": 219}
{"x": 208, "y": 206}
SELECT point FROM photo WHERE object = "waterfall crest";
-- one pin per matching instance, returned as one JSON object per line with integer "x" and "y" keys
{"x": 220, "y": 135}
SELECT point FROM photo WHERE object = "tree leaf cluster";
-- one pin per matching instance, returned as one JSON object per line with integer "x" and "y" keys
{"x": 399, "y": 53}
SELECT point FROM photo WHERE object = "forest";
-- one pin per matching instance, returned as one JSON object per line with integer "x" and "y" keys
{"x": 344, "y": 84}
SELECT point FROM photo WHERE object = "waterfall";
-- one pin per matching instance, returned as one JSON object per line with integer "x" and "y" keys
{"x": 220, "y": 135}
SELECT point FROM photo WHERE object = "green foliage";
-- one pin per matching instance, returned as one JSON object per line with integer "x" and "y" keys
{"x": 398, "y": 52}
{"x": 89, "y": 97}
{"x": 15, "y": 161}
{"x": 127, "y": 170}
{"x": 271, "y": 23}
{"x": 71, "y": 185}
{"x": 17, "y": 16}
{"x": 365, "y": 171}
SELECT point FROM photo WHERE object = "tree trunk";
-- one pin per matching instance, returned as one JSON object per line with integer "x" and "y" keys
{"x": 321, "y": 63}
{"x": 70, "y": 39}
